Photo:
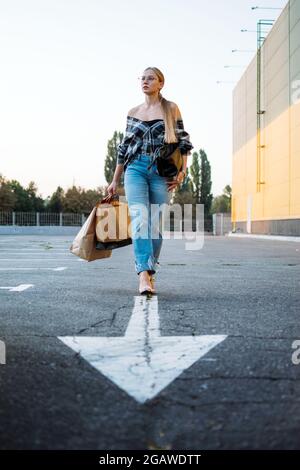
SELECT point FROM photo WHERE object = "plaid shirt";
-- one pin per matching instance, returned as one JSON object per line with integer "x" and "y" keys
{"x": 146, "y": 137}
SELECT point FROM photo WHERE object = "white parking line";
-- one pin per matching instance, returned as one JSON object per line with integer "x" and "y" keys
{"x": 18, "y": 288}
{"x": 35, "y": 259}
{"x": 61, "y": 268}
{"x": 20, "y": 250}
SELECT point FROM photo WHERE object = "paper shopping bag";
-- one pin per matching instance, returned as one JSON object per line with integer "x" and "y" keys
{"x": 84, "y": 244}
{"x": 113, "y": 223}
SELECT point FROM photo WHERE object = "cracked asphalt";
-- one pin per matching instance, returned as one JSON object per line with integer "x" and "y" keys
{"x": 243, "y": 394}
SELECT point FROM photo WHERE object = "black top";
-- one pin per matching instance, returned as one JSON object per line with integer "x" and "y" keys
{"x": 152, "y": 120}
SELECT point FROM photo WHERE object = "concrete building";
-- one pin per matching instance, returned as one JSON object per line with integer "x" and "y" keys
{"x": 266, "y": 133}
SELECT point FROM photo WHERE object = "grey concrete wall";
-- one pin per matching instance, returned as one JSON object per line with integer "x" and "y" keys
{"x": 288, "y": 227}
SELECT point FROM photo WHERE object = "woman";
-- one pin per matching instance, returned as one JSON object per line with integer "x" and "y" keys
{"x": 149, "y": 124}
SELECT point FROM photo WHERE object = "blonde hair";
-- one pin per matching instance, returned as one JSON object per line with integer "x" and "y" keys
{"x": 169, "y": 116}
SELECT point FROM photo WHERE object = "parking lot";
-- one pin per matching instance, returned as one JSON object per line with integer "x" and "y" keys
{"x": 88, "y": 363}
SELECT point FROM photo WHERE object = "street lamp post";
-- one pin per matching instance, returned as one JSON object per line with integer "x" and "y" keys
{"x": 243, "y": 50}
{"x": 266, "y": 8}
{"x": 259, "y": 111}
{"x": 251, "y": 31}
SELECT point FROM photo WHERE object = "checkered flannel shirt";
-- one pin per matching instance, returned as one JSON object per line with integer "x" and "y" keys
{"x": 146, "y": 137}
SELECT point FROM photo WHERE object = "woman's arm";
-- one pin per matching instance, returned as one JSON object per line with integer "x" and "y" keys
{"x": 118, "y": 172}
{"x": 112, "y": 187}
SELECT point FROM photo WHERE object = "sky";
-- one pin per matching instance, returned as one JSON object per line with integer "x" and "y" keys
{"x": 69, "y": 75}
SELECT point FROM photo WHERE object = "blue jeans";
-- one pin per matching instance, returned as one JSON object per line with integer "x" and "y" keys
{"x": 144, "y": 187}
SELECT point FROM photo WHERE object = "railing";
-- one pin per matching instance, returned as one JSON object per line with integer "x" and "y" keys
{"x": 42, "y": 219}
{"x": 70, "y": 219}
{"x": 222, "y": 223}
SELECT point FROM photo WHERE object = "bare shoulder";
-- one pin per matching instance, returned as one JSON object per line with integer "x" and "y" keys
{"x": 173, "y": 104}
{"x": 134, "y": 111}
{"x": 175, "y": 110}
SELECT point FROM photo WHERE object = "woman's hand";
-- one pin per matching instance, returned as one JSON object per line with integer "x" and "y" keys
{"x": 112, "y": 188}
{"x": 174, "y": 183}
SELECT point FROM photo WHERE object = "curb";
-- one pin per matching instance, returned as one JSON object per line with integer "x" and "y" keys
{"x": 280, "y": 238}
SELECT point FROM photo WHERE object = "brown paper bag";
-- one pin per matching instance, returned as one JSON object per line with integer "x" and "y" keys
{"x": 113, "y": 223}
{"x": 84, "y": 244}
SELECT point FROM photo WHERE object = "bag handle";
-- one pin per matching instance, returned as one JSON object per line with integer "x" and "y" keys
{"x": 109, "y": 198}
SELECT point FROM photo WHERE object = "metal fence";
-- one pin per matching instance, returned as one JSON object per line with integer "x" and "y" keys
{"x": 69, "y": 219}
{"x": 222, "y": 223}
{"x": 39, "y": 219}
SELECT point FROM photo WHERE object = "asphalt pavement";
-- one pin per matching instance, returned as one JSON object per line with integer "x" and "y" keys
{"x": 88, "y": 363}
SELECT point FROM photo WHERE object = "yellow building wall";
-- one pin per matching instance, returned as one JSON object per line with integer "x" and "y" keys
{"x": 279, "y": 195}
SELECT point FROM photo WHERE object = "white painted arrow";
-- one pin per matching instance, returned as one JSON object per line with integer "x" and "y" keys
{"x": 18, "y": 288}
{"x": 142, "y": 363}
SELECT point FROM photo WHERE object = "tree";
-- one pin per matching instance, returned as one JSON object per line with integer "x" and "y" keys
{"x": 79, "y": 200}
{"x": 91, "y": 197}
{"x": 201, "y": 180}
{"x": 73, "y": 201}
{"x": 56, "y": 201}
{"x": 205, "y": 186}
{"x": 195, "y": 174}
{"x": 14, "y": 197}
{"x": 26, "y": 199}
{"x": 37, "y": 202}
{"x": 222, "y": 203}
{"x": 111, "y": 158}
{"x": 7, "y": 196}
{"x": 228, "y": 192}
{"x": 22, "y": 200}
{"x": 183, "y": 194}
